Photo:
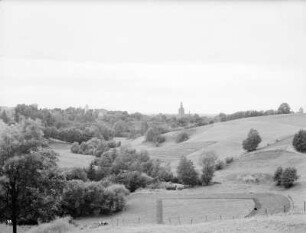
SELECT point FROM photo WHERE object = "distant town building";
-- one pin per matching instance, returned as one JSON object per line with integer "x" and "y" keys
{"x": 86, "y": 108}
{"x": 181, "y": 110}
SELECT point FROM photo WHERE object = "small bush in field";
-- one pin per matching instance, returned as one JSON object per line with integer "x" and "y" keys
{"x": 229, "y": 160}
{"x": 181, "y": 137}
{"x": 160, "y": 139}
{"x": 219, "y": 165}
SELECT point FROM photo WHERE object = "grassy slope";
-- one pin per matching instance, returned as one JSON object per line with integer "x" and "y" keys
{"x": 68, "y": 159}
{"x": 225, "y": 138}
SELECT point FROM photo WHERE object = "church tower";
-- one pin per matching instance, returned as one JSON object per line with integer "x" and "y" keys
{"x": 181, "y": 111}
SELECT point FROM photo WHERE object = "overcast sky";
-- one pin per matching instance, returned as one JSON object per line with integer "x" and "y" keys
{"x": 147, "y": 56}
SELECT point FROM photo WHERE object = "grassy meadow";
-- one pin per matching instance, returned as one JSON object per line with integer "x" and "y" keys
{"x": 68, "y": 159}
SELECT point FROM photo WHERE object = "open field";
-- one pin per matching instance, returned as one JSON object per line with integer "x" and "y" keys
{"x": 272, "y": 224}
{"x": 68, "y": 159}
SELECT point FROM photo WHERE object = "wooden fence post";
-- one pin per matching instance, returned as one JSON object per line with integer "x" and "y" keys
{"x": 159, "y": 211}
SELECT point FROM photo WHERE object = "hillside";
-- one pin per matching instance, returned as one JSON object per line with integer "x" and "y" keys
{"x": 225, "y": 138}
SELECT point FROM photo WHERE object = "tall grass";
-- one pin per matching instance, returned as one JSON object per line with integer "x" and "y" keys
{"x": 60, "y": 225}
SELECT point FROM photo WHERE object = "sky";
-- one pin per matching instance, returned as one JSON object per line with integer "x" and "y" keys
{"x": 148, "y": 56}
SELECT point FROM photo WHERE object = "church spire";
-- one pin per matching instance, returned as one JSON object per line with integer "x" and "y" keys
{"x": 181, "y": 110}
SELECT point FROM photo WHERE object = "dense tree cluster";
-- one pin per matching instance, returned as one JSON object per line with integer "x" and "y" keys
{"x": 78, "y": 125}
{"x": 92, "y": 198}
{"x": 94, "y": 146}
{"x": 285, "y": 177}
{"x": 284, "y": 108}
{"x": 129, "y": 167}
{"x": 32, "y": 187}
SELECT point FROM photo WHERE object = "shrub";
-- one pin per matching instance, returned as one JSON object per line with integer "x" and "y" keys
{"x": 252, "y": 141}
{"x": 76, "y": 174}
{"x": 75, "y": 148}
{"x": 299, "y": 141}
{"x": 186, "y": 172}
{"x": 219, "y": 165}
{"x": 277, "y": 176}
{"x": 154, "y": 135}
{"x": 132, "y": 180}
{"x": 181, "y": 137}
{"x": 229, "y": 160}
{"x": 160, "y": 139}
{"x": 208, "y": 161}
{"x": 288, "y": 177}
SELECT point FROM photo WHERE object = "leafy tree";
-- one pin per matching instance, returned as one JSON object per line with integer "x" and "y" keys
{"x": 284, "y": 108}
{"x": 4, "y": 117}
{"x": 208, "y": 163}
{"x": 252, "y": 141}
{"x": 29, "y": 180}
{"x": 222, "y": 116}
{"x": 186, "y": 172}
{"x": 288, "y": 177}
{"x": 299, "y": 141}
{"x": 277, "y": 176}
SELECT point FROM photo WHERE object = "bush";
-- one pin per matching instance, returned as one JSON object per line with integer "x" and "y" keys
{"x": 154, "y": 135}
{"x": 132, "y": 180}
{"x": 299, "y": 141}
{"x": 252, "y": 141}
{"x": 288, "y": 177}
{"x": 181, "y": 137}
{"x": 186, "y": 172}
{"x": 160, "y": 139}
{"x": 277, "y": 176}
{"x": 75, "y": 148}
{"x": 76, "y": 174}
{"x": 229, "y": 160}
{"x": 219, "y": 165}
